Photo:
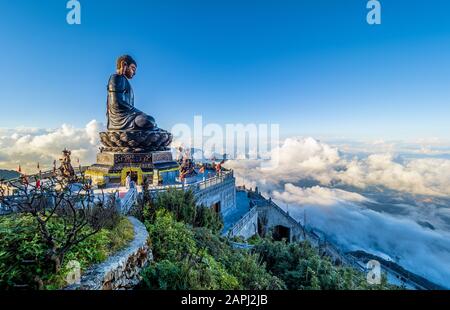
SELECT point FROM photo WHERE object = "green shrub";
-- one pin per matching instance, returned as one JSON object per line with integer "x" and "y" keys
{"x": 184, "y": 208}
{"x": 300, "y": 267}
{"x": 189, "y": 253}
{"x": 244, "y": 265}
{"x": 120, "y": 235}
{"x": 179, "y": 263}
{"x": 23, "y": 251}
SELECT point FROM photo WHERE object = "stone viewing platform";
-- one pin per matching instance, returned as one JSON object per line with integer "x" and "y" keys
{"x": 213, "y": 190}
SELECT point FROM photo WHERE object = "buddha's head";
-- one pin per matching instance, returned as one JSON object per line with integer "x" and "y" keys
{"x": 127, "y": 66}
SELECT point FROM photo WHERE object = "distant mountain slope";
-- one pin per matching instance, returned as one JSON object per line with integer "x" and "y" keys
{"x": 8, "y": 174}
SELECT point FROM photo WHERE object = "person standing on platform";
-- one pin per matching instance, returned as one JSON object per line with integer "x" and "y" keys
{"x": 202, "y": 171}
{"x": 128, "y": 181}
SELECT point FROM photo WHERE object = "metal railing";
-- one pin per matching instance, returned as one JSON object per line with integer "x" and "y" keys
{"x": 132, "y": 194}
{"x": 240, "y": 245}
{"x": 197, "y": 186}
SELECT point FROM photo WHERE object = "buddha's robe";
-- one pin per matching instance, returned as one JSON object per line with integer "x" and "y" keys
{"x": 121, "y": 113}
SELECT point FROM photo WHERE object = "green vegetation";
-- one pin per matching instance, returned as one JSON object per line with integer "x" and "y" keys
{"x": 23, "y": 264}
{"x": 195, "y": 258}
{"x": 189, "y": 253}
{"x": 300, "y": 267}
{"x": 182, "y": 205}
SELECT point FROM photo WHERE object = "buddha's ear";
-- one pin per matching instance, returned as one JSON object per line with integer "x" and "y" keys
{"x": 123, "y": 67}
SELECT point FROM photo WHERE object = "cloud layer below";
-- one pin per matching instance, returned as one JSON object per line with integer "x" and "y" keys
{"x": 345, "y": 198}
{"x": 342, "y": 217}
{"x": 28, "y": 146}
{"x": 309, "y": 159}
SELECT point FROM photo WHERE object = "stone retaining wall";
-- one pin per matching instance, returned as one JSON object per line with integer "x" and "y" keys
{"x": 120, "y": 270}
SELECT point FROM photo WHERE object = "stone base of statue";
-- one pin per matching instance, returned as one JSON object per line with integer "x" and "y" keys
{"x": 114, "y": 167}
{"x": 139, "y": 141}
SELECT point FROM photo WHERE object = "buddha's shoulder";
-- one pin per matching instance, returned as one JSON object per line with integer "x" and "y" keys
{"x": 114, "y": 78}
{"x": 117, "y": 82}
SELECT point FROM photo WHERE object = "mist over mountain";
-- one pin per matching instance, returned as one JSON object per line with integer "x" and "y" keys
{"x": 381, "y": 203}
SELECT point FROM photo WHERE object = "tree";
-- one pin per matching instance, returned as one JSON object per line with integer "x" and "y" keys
{"x": 55, "y": 202}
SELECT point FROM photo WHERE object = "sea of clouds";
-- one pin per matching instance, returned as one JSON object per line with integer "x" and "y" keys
{"x": 28, "y": 146}
{"x": 374, "y": 202}
{"x": 371, "y": 196}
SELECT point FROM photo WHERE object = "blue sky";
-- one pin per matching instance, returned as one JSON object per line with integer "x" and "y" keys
{"x": 315, "y": 67}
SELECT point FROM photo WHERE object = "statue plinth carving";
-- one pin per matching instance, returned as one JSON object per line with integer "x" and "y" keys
{"x": 134, "y": 158}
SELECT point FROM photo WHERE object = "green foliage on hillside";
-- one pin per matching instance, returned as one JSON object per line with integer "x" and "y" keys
{"x": 300, "y": 267}
{"x": 23, "y": 251}
{"x": 179, "y": 263}
{"x": 189, "y": 253}
{"x": 182, "y": 205}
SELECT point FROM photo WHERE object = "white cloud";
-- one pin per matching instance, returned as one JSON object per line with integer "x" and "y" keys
{"x": 339, "y": 215}
{"x": 316, "y": 195}
{"x": 28, "y": 146}
{"x": 418, "y": 147}
{"x": 422, "y": 176}
{"x": 352, "y": 220}
{"x": 306, "y": 158}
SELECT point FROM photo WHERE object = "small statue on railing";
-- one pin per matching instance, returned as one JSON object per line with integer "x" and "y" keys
{"x": 218, "y": 167}
{"x": 187, "y": 166}
{"x": 187, "y": 169}
{"x": 66, "y": 170}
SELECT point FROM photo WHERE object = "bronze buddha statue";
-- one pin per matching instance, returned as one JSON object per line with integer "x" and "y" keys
{"x": 129, "y": 129}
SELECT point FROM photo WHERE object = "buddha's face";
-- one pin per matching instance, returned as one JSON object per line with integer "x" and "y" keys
{"x": 130, "y": 71}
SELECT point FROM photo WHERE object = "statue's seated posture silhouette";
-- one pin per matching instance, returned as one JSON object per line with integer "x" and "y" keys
{"x": 122, "y": 115}
{"x": 129, "y": 129}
